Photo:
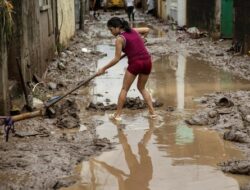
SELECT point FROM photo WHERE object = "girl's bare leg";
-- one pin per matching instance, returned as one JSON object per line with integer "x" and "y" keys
{"x": 127, "y": 82}
{"x": 142, "y": 80}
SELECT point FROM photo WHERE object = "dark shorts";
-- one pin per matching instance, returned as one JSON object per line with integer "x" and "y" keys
{"x": 140, "y": 66}
{"x": 130, "y": 9}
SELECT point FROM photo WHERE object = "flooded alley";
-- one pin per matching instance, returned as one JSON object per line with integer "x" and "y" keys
{"x": 164, "y": 153}
{"x": 199, "y": 137}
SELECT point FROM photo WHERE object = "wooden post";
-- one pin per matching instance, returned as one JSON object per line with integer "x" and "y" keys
{"x": 3, "y": 76}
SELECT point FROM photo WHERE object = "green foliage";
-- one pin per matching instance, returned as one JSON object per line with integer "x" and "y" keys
{"x": 6, "y": 20}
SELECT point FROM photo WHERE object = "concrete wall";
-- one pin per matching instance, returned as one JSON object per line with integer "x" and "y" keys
{"x": 182, "y": 12}
{"x": 66, "y": 20}
{"x": 176, "y": 10}
{"x": 173, "y": 10}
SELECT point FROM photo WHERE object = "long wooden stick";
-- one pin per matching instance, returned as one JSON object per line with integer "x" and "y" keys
{"x": 85, "y": 82}
{"x": 41, "y": 112}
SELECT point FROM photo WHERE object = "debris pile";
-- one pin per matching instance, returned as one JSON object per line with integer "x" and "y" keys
{"x": 131, "y": 103}
{"x": 67, "y": 114}
{"x": 230, "y": 114}
{"x": 236, "y": 167}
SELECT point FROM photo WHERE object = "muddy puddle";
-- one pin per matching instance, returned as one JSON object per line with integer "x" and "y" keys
{"x": 164, "y": 153}
{"x": 154, "y": 32}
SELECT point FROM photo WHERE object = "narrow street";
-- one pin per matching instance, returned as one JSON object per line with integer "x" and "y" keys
{"x": 184, "y": 148}
{"x": 152, "y": 154}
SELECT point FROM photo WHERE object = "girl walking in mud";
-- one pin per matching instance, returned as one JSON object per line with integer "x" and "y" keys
{"x": 129, "y": 40}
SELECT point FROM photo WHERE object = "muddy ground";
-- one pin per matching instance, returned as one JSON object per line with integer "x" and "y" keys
{"x": 43, "y": 152}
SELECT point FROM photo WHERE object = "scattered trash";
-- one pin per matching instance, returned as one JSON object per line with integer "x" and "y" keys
{"x": 61, "y": 66}
{"x": 219, "y": 54}
{"x": 85, "y": 50}
{"x": 195, "y": 33}
{"x": 37, "y": 103}
{"x": 52, "y": 85}
{"x": 131, "y": 103}
{"x": 224, "y": 102}
{"x": 83, "y": 127}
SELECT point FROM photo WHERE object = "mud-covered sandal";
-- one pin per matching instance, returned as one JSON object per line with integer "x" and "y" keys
{"x": 112, "y": 116}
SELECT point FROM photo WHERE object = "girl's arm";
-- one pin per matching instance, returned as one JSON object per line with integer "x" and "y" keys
{"x": 143, "y": 31}
{"x": 116, "y": 59}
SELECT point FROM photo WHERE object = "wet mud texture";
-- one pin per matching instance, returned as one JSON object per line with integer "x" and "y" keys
{"x": 41, "y": 154}
{"x": 213, "y": 50}
{"x": 228, "y": 113}
{"x": 131, "y": 103}
{"x": 67, "y": 114}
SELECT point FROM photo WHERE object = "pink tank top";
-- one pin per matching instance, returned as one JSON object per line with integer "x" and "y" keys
{"x": 134, "y": 46}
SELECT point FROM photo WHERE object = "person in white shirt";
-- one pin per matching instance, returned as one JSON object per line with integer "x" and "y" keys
{"x": 151, "y": 7}
{"x": 130, "y": 9}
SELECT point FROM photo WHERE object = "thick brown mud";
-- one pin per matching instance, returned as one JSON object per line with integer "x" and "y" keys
{"x": 229, "y": 114}
{"x": 44, "y": 152}
{"x": 131, "y": 103}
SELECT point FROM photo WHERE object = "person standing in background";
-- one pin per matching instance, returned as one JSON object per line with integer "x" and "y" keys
{"x": 96, "y": 7}
{"x": 151, "y": 7}
{"x": 130, "y": 9}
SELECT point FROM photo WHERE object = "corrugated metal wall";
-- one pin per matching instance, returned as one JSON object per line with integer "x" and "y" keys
{"x": 242, "y": 23}
{"x": 201, "y": 13}
{"x": 34, "y": 38}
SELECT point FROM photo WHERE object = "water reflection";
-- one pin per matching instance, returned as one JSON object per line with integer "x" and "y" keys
{"x": 184, "y": 134}
{"x": 180, "y": 78}
{"x": 177, "y": 79}
{"x": 154, "y": 32}
{"x": 140, "y": 170}
{"x": 167, "y": 154}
